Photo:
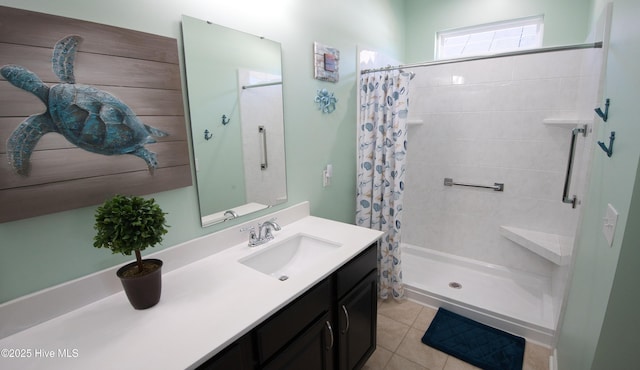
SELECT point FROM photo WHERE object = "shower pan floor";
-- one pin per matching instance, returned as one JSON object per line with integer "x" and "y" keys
{"x": 516, "y": 302}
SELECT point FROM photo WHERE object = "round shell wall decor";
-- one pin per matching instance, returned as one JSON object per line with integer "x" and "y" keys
{"x": 326, "y": 101}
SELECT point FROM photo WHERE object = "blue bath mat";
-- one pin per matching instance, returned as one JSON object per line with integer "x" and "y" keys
{"x": 475, "y": 343}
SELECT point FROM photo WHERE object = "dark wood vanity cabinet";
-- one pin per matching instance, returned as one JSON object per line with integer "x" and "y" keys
{"x": 311, "y": 350}
{"x": 331, "y": 326}
{"x": 237, "y": 356}
{"x": 357, "y": 310}
{"x": 299, "y": 334}
{"x": 357, "y": 324}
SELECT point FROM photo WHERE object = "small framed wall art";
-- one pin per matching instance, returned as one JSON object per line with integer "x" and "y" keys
{"x": 326, "y": 62}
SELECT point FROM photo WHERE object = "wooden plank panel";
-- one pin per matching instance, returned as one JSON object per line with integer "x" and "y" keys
{"x": 38, "y": 29}
{"x": 31, "y": 201}
{"x": 144, "y": 102}
{"x": 47, "y": 142}
{"x": 15, "y": 102}
{"x": 149, "y": 102}
{"x": 74, "y": 163}
{"x": 140, "y": 69}
{"x": 94, "y": 69}
{"x": 174, "y": 125}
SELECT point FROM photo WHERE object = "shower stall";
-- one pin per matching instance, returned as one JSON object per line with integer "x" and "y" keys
{"x": 489, "y": 212}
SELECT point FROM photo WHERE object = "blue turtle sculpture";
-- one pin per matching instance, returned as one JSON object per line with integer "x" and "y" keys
{"x": 90, "y": 118}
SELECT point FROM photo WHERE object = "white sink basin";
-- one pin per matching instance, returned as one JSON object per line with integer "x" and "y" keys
{"x": 286, "y": 258}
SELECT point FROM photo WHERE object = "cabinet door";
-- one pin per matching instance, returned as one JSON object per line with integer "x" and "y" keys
{"x": 313, "y": 350}
{"x": 357, "y": 319}
{"x": 237, "y": 356}
{"x": 287, "y": 324}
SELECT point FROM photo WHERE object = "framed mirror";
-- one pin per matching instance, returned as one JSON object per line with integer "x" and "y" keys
{"x": 234, "y": 86}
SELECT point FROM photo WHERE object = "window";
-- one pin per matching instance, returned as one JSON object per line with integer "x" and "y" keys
{"x": 499, "y": 37}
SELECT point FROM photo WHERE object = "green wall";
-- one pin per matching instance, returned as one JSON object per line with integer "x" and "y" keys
{"x": 618, "y": 342}
{"x": 565, "y": 21}
{"x": 601, "y": 326}
{"x": 44, "y": 251}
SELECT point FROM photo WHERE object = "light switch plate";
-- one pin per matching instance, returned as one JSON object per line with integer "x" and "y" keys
{"x": 609, "y": 224}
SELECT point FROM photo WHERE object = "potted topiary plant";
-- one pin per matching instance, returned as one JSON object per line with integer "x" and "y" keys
{"x": 128, "y": 224}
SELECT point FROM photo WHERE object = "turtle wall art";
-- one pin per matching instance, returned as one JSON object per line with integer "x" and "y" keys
{"x": 87, "y": 110}
{"x": 88, "y": 117}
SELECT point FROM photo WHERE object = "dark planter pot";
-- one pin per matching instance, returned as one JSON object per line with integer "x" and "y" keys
{"x": 142, "y": 291}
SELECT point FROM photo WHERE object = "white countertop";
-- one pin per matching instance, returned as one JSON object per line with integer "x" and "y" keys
{"x": 205, "y": 305}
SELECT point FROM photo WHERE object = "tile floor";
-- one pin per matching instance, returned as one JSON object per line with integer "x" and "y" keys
{"x": 400, "y": 328}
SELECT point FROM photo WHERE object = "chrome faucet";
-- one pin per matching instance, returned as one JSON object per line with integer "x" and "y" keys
{"x": 264, "y": 230}
{"x": 264, "y": 233}
{"x": 230, "y": 215}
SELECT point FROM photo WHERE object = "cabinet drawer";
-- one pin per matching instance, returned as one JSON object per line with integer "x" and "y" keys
{"x": 356, "y": 269}
{"x": 286, "y": 324}
{"x": 312, "y": 350}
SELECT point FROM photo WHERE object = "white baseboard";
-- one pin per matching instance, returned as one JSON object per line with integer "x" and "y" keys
{"x": 553, "y": 360}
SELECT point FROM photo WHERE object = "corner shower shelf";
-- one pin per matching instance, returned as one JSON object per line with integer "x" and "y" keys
{"x": 553, "y": 247}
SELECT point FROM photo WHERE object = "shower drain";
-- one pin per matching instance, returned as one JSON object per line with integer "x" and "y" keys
{"x": 455, "y": 285}
{"x": 283, "y": 278}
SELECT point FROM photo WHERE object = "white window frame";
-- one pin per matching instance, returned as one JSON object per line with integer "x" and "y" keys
{"x": 487, "y": 38}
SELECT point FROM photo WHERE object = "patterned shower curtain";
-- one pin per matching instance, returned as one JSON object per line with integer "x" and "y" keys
{"x": 382, "y": 149}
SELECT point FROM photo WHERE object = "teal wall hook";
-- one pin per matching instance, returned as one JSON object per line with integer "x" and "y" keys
{"x": 207, "y": 135}
{"x": 608, "y": 150}
{"x": 604, "y": 115}
{"x": 225, "y": 120}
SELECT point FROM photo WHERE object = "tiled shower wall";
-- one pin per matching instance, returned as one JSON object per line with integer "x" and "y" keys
{"x": 482, "y": 122}
{"x": 262, "y": 106}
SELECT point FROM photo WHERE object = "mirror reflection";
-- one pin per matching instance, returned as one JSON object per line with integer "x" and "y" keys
{"x": 234, "y": 84}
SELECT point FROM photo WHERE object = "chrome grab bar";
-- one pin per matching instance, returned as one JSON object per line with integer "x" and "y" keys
{"x": 567, "y": 180}
{"x": 244, "y": 87}
{"x": 263, "y": 131}
{"x": 497, "y": 186}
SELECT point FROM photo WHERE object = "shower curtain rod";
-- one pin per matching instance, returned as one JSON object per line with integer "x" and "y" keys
{"x": 594, "y": 45}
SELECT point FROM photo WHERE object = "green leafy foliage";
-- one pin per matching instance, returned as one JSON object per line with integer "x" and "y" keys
{"x": 128, "y": 224}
